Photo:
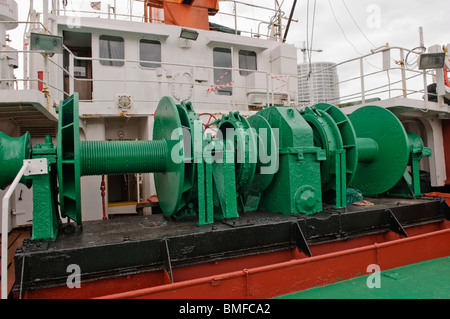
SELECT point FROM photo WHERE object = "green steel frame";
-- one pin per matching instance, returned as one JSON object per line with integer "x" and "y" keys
{"x": 320, "y": 153}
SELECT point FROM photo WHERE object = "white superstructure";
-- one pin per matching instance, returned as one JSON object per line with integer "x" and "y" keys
{"x": 121, "y": 68}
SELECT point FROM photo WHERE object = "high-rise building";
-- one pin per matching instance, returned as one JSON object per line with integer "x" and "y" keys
{"x": 321, "y": 87}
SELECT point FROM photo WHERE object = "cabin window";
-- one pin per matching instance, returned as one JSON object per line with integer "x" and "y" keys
{"x": 247, "y": 60}
{"x": 150, "y": 50}
{"x": 222, "y": 63}
{"x": 112, "y": 47}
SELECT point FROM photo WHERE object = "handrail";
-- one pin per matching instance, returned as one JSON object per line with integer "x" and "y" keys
{"x": 73, "y": 57}
{"x": 5, "y": 230}
{"x": 141, "y": 18}
{"x": 370, "y": 82}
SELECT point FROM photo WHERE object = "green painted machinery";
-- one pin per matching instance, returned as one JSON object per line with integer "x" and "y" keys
{"x": 12, "y": 153}
{"x": 279, "y": 159}
{"x": 368, "y": 150}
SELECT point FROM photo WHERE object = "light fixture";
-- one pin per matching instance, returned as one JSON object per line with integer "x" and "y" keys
{"x": 432, "y": 61}
{"x": 45, "y": 42}
{"x": 189, "y": 34}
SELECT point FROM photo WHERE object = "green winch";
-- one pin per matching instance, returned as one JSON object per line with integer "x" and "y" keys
{"x": 279, "y": 159}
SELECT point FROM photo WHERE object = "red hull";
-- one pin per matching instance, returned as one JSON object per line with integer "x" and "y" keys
{"x": 271, "y": 274}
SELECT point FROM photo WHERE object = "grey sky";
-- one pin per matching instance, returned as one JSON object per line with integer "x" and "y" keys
{"x": 398, "y": 25}
{"x": 399, "y": 21}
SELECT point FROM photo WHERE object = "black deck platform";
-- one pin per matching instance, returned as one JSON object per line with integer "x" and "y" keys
{"x": 135, "y": 244}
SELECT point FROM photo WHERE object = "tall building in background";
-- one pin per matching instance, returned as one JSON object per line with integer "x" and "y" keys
{"x": 324, "y": 85}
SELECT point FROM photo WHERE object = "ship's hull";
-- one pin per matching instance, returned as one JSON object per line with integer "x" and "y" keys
{"x": 263, "y": 255}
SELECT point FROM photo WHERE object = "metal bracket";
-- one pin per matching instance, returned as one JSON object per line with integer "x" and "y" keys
{"x": 300, "y": 240}
{"x": 166, "y": 255}
{"x": 445, "y": 208}
{"x": 22, "y": 271}
{"x": 394, "y": 224}
{"x": 36, "y": 166}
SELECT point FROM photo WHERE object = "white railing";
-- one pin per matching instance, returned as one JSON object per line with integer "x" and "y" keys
{"x": 5, "y": 228}
{"x": 362, "y": 78}
{"x": 245, "y": 22}
{"x": 228, "y": 16}
{"x": 271, "y": 87}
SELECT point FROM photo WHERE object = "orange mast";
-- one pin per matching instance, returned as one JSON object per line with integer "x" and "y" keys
{"x": 185, "y": 13}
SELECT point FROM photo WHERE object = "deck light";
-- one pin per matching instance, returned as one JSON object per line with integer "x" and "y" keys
{"x": 46, "y": 42}
{"x": 432, "y": 60}
{"x": 189, "y": 34}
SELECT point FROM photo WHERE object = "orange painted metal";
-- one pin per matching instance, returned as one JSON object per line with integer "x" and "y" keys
{"x": 190, "y": 14}
{"x": 271, "y": 274}
{"x": 295, "y": 275}
{"x": 445, "y": 196}
{"x": 186, "y": 16}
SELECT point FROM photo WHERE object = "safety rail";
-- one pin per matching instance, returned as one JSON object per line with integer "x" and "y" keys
{"x": 398, "y": 79}
{"x": 276, "y": 22}
{"x": 271, "y": 87}
{"x": 373, "y": 81}
{"x": 370, "y": 82}
{"x": 57, "y": 88}
{"x": 242, "y": 24}
{"x": 401, "y": 80}
{"x": 5, "y": 228}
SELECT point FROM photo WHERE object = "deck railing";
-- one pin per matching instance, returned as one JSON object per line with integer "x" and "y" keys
{"x": 360, "y": 79}
{"x": 229, "y": 16}
{"x": 363, "y": 78}
{"x": 5, "y": 229}
{"x": 272, "y": 86}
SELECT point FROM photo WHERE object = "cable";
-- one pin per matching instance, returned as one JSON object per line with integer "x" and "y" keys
{"x": 345, "y": 36}
{"x": 309, "y": 43}
{"x": 307, "y": 34}
{"x": 342, "y": 30}
{"x": 357, "y": 24}
{"x": 312, "y": 35}
{"x": 413, "y": 64}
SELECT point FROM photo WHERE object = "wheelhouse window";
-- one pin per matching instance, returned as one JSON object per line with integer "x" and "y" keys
{"x": 149, "y": 50}
{"x": 112, "y": 47}
{"x": 247, "y": 60}
{"x": 222, "y": 72}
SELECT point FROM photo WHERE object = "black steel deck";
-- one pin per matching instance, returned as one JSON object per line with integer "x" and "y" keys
{"x": 142, "y": 243}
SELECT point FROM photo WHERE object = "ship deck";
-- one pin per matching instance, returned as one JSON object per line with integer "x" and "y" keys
{"x": 425, "y": 280}
{"x": 129, "y": 249}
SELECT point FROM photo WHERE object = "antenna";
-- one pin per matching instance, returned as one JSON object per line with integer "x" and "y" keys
{"x": 304, "y": 49}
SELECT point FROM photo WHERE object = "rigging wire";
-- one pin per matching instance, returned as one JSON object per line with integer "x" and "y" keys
{"x": 307, "y": 32}
{"x": 312, "y": 37}
{"x": 342, "y": 30}
{"x": 351, "y": 16}
{"x": 347, "y": 39}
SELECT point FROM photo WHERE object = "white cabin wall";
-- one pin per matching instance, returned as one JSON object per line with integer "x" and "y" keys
{"x": 135, "y": 80}
{"x": 91, "y": 204}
